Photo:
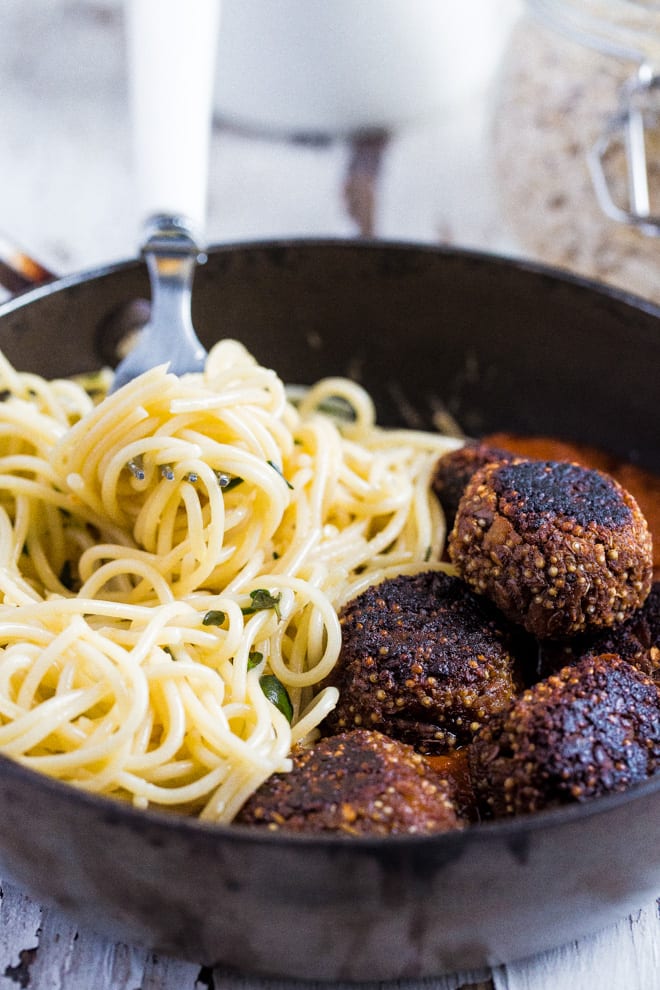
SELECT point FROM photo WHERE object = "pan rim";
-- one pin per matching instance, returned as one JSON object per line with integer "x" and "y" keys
{"x": 364, "y": 245}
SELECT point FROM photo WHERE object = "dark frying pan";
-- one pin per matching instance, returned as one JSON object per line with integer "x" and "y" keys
{"x": 500, "y": 346}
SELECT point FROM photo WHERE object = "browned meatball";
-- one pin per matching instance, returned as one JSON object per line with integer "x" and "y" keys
{"x": 588, "y": 730}
{"x": 454, "y": 470}
{"x": 638, "y": 639}
{"x": 558, "y": 548}
{"x": 423, "y": 660}
{"x": 357, "y": 783}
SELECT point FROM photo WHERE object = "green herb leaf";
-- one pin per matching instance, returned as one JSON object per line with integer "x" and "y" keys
{"x": 262, "y": 599}
{"x": 427, "y": 555}
{"x": 214, "y": 617}
{"x": 277, "y": 694}
{"x": 338, "y": 407}
{"x": 254, "y": 659}
{"x": 279, "y": 471}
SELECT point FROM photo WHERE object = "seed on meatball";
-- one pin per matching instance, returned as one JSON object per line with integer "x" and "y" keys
{"x": 559, "y": 548}
{"x": 424, "y": 660}
{"x": 454, "y": 469}
{"x": 356, "y": 783}
{"x": 591, "y": 729}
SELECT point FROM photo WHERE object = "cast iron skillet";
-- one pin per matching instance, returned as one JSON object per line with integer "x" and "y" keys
{"x": 501, "y": 346}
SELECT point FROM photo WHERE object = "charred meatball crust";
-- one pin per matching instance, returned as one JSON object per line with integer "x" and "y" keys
{"x": 559, "y": 548}
{"x": 454, "y": 470}
{"x": 422, "y": 660}
{"x": 591, "y": 729}
{"x": 356, "y": 783}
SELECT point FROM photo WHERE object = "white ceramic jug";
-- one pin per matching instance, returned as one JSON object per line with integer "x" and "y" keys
{"x": 338, "y": 66}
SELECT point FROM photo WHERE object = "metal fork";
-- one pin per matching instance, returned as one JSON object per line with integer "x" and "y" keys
{"x": 172, "y": 254}
{"x": 171, "y": 58}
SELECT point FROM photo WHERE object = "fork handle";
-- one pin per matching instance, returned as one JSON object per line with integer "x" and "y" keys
{"x": 171, "y": 61}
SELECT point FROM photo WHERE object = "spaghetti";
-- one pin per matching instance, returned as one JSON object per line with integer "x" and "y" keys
{"x": 172, "y": 560}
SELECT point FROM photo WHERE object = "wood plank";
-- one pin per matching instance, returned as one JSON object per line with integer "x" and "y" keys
{"x": 623, "y": 957}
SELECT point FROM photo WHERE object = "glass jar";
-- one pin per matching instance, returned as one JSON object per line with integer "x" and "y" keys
{"x": 627, "y": 30}
{"x": 557, "y": 109}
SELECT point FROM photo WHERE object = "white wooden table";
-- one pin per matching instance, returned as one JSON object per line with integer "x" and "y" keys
{"x": 503, "y": 173}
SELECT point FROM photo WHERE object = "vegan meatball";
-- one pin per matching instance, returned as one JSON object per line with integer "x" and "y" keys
{"x": 637, "y": 640}
{"x": 559, "y": 548}
{"x": 357, "y": 783}
{"x": 454, "y": 470}
{"x": 424, "y": 660}
{"x": 588, "y": 730}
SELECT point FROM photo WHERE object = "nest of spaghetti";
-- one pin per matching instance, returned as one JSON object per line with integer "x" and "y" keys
{"x": 173, "y": 557}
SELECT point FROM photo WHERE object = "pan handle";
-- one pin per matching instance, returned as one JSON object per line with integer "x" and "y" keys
{"x": 18, "y": 271}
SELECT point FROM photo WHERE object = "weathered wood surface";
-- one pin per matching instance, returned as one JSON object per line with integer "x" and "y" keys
{"x": 65, "y": 193}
